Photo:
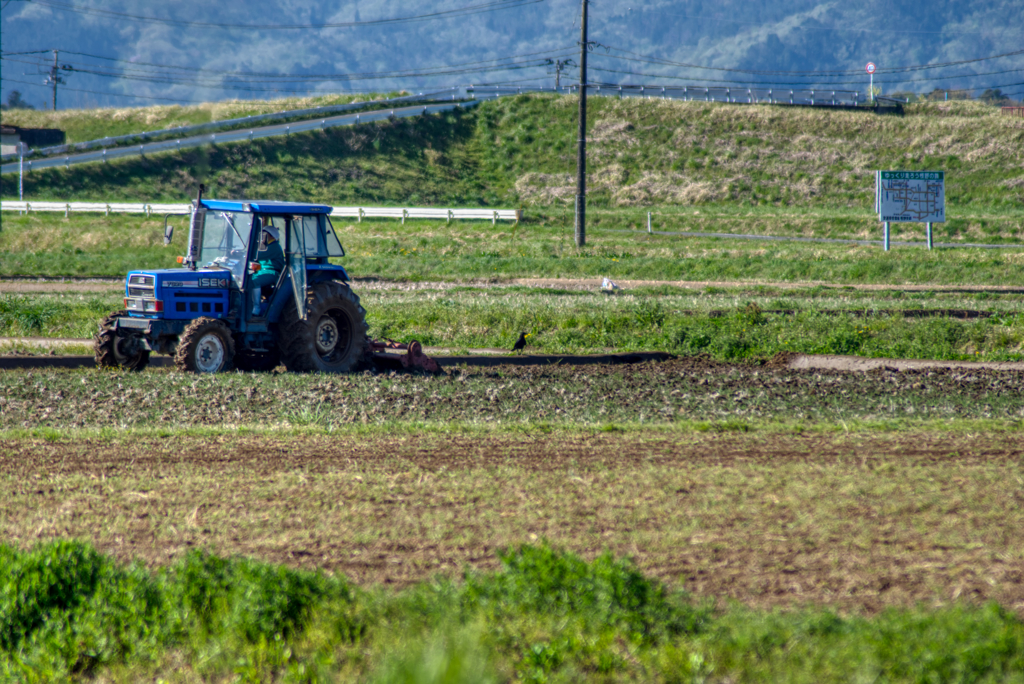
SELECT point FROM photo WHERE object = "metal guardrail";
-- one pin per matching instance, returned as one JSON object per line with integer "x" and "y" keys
{"x": 754, "y": 95}
{"x": 235, "y": 136}
{"x": 448, "y": 93}
{"x": 492, "y": 215}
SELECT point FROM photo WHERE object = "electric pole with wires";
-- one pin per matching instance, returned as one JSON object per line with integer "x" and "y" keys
{"x": 54, "y": 78}
{"x": 581, "y": 154}
{"x": 561, "y": 64}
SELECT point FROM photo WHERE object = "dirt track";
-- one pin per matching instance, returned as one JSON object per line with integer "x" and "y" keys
{"x": 493, "y": 357}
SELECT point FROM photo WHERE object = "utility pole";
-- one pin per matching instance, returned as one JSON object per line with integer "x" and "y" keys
{"x": 54, "y": 77}
{"x": 581, "y": 155}
{"x": 561, "y": 64}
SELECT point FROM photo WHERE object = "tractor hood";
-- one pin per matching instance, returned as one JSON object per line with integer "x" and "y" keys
{"x": 178, "y": 293}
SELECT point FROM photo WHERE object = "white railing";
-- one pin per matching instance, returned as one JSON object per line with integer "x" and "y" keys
{"x": 492, "y": 215}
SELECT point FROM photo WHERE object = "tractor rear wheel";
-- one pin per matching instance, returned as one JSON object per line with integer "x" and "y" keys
{"x": 205, "y": 346}
{"x": 332, "y": 337}
{"x": 114, "y": 350}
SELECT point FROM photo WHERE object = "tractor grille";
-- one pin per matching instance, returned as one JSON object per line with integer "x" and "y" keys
{"x": 140, "y": 292}
{"x": 141, "y": 280}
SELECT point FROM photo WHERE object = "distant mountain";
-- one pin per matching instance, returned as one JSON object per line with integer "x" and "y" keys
{"x": 162, "y": 46}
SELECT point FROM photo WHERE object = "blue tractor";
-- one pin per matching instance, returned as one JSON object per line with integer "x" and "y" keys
{"x": 216, "y": 313}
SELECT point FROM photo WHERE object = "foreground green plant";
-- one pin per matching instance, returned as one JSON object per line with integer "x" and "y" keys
{"x": 69, "y": 612}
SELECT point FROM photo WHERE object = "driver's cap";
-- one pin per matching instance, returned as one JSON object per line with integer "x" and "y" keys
{"x": 272, "y": 232}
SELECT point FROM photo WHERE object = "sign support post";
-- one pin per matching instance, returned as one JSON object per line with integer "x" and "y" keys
{"x": 870, "y": 68}
{"x": 21, "y": 172}
{"x": 928, "y": 229}
{"x": 885, "y": 241}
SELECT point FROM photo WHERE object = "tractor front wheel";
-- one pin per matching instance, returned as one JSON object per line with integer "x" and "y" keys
{"x": 205, "y": 346}
{"x": 332, "y": 337}
{"x": 114, "y": 350}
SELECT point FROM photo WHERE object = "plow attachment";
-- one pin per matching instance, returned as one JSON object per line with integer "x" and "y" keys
{"x": 379, "y": 352}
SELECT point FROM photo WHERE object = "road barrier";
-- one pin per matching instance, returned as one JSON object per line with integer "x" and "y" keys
{"x": 242, "y": 135}
{"x": 446, "y": 94}
{"x": 816, "y": 97}
{"x": 492, "y": 215}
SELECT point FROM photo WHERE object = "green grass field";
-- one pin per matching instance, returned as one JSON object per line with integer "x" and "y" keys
{"x": 726, "y": 323}
{"x": 96, "y": 245}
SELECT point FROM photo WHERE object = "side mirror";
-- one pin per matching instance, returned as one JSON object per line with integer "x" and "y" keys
{"x": 168, "y": 230}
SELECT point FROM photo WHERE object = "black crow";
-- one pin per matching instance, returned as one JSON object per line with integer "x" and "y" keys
{"x": 520, "y": 343}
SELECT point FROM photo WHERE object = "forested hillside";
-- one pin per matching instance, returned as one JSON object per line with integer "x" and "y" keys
{"x": 125, "y": 52}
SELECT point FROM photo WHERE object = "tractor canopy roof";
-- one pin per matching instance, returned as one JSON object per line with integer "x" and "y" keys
{"x": 266, "y": 206}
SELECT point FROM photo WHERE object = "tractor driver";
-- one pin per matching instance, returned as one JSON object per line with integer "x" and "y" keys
{"x": 271, "y": 263}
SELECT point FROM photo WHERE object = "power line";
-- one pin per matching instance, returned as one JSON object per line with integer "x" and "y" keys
{"x": 29, "y": 52}
{"x": 242, "y": 86}
{"x": 458, "y": 12}
{"x": 175, "y": 79}
{"x": 768, "y": 84}
{"x": 808, "y": 83}
{"x": 96, "y": 92}
{"x": 266, "y": 74}
{"x": 143, "y": 73}
{"x": 918, "y": 67}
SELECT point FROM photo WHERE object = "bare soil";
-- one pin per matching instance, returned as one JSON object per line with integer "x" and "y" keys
{"x": 858, "y": 522}
{"x": 683, "y": 390}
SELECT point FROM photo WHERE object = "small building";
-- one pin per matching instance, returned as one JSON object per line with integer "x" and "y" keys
{"x": 10, "y": 136}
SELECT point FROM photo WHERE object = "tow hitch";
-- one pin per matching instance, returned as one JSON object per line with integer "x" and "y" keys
{"x": 412, "y": 359}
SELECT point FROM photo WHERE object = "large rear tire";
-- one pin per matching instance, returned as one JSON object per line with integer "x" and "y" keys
{"x": 118, "y": 351}
{"x": 205, "y": 346}
{"x": 331, "y": 339}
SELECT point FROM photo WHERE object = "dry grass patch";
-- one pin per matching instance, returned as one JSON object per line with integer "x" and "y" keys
{"x": 852, "y": 521}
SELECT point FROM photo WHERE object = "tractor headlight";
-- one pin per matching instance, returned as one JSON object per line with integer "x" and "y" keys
{"x": 152, "y": 305}
{"x": 133, "y": 304}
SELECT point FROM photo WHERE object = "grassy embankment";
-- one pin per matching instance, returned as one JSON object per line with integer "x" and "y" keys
{"x": 809, "y": 171}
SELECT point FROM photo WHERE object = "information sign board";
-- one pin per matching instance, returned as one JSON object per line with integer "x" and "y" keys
{"x": 910, "y": 196}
